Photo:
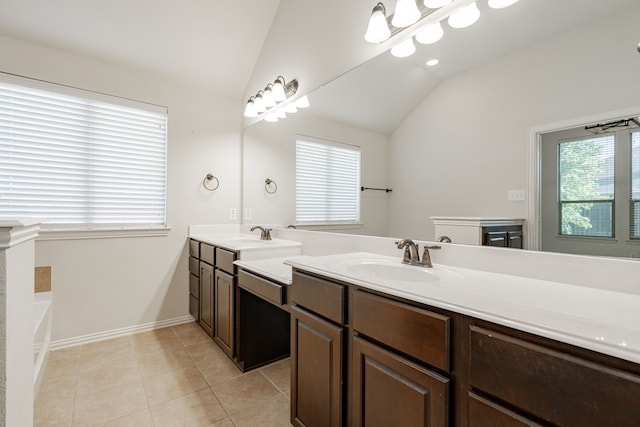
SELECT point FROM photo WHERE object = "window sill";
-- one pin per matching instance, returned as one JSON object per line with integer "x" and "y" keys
{"x": 101, "y": 233}
{"x": 330, "y": 227}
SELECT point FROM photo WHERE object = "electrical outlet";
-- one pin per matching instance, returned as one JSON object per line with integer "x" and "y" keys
{"x": 248, "y": 214}
{"x": 515, "y": 195}
{"x": 233, "y": 214}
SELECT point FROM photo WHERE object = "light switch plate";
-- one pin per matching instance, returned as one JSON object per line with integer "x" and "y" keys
{"x": 248, "y": 214}
{"x": 516, "y": 195}
{"x": 233, "y": 214}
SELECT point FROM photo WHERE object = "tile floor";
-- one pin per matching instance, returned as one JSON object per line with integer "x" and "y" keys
{"x": 175, "y": 376}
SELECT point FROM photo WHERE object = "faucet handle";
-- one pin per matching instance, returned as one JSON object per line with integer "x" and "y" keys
{"x": 267, "y": 233}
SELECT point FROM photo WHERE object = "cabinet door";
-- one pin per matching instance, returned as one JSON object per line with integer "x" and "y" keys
{"x": 316, "y": 371}
{"x": 495, "y": 238}
{"x": 389, "y": 390}
{"x": 224, "y": 319}
{"x": 206, "y": 297}
{"x": 515, "y": 239}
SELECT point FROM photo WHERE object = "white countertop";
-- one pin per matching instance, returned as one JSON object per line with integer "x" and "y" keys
{"x": 271, "y": 268}
{"x": 243, "y": 242}
{"x": 600, "y": 320}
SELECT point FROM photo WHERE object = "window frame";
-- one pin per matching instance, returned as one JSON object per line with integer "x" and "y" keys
{"x": 83, "y": 230}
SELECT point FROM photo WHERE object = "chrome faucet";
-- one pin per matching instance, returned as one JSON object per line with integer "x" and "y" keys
{"x": 426, "y": 256}
{"x": 411, "y": 256}
{"x": 265, "y": 233}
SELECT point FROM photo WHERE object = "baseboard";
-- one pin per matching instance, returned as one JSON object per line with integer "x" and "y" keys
{"x": 115, "y": 333}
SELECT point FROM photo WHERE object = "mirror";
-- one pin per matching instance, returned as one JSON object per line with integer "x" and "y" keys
{"x": 454, "y": 139}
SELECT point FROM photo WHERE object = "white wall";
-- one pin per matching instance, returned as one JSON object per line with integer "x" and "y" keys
{"x": 105, "y": 284}
{"x": 269, "y": 152}
{"x": 467, "y": 144}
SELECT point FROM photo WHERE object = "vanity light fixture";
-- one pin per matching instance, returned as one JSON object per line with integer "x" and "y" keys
{"x": 270, "y": 98}
{"x": 378, "y": 29}
{"x": 404, "y": 49}
{"x": 302, "y": 102}
{"x": 406, "y": 13}
{"x": 465, "y": 16}
{"x": 436, "y": 4}
{"x": 430, "y": 34}
{"x": 499, "y": 4}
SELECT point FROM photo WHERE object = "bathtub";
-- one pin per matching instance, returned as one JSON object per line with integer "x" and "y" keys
{"x": 41, "y": 334}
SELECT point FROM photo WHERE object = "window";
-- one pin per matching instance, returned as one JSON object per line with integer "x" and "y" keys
{"x": 327, "y": 182}
{"x": 80, "y": 160}
{"x": 586, "y": 186}
{"x": 635, "y": 185}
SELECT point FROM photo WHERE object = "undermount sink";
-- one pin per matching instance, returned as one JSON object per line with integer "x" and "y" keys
{"x": 396, "y": 271}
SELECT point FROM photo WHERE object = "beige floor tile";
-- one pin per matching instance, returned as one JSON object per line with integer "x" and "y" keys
{"x": 206, "y": 352}
{"x": 62, "y": 366}
{"x": 97, "y": 360}
{"x": 185, "y": 326}
{"x": 218, "y": 370}
{"x": 53, "y": 412}
{"x": 106, "y": 347}
{"x": 97, "y": 408}
{"x": 57, "y": 388}
{"x": 162, "y": 361}
{"x": 139, "y": 419}
{"x": 65, "y": 353}
{"x": 225, "y": 423}
{"x": 246, "y": 390}
{"x": 268, "y": 413}
{"x": 191, "y": 335}
{"x": 173, "y": 384}
{"x": 279, "y": 373}
{"x": 107, "y": 377}
{"x": 201, "y": 408}
{"x": 155, "y": 336}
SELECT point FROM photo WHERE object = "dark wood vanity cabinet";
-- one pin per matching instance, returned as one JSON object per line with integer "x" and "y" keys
{"x": 224, "y": 301}
{"x": 207, "y": 320}
{"x": 503, "y": 236}
{"x": 317, "y": 352}
{"x": 194, "y": 279}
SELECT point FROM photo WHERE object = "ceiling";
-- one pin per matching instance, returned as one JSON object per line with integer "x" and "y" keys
{"x": 213, "y": 44}
{"x": 366, "y": 93}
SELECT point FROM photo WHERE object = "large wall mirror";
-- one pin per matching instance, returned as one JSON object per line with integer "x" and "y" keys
{"x": 453, "y": 139}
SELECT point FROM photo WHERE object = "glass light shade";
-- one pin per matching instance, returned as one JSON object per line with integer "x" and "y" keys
{"x": 465, "y": 16}
{"x": 258, "y": 102}
{"x": 499, "y": 4}
{"x": 404, "y": 49}
{"x": 430, "y": 34}
{"x": 302, "y": 102}
{"x": 250, "y": 109}
{"x": 406, "y": 13}
{"x": 281, "y": 114}
{"x": 378, "y": 29}
{"x": 291, "y": 108}
{"x": 433, "y": 62}
{"x": 271, "y": 117}
{"x": 267, "y": 97}
{"x": 435, "y": 4}
{"x": 278, "y": 90}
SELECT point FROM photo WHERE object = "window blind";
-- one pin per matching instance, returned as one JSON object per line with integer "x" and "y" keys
{"x": 635, "y": 186}
{"x": 586, "y": 184}
{"x": 80, "y": 161}
{"x": 327, "y": 182}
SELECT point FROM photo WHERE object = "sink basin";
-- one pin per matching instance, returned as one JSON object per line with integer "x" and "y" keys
{"x": 397, "y": 272}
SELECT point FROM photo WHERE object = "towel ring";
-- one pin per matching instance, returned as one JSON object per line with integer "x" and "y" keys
{"x": 267, "y": 185}
{"x": 208, "y": 179}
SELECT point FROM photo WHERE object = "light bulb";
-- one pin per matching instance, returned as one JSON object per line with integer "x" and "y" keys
{"x": 404, "y": 49}
{"x": 465, "y": 16}
{"x": 433, "y": 62}
{"x": 271, "y": 117}
{"x": 499, "y": 4}
{"x": 278, "y": 90}
{"x": 267, "y": 97}
{"x": 435, "y": 4}
{"x": 291, "y": 108}
{"x": 302, "y": 102}
{"x": 250, "y": 109}
{"x": 281, "y": 114}
{"x": 430, "y": 34}
{"x": 258, "y": 102}
{"x": 406, "y": 13}
{"x": 378, "y": 29}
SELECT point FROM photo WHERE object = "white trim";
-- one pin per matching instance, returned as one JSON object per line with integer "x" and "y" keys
{"x": 115, "y": 333}
{"x": 535, "y": 141}
{"x": 14, "y": 235}
{"x": 53, "y": 234}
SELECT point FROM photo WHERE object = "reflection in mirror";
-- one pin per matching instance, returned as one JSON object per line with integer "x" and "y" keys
{"x": 454, "y": 139}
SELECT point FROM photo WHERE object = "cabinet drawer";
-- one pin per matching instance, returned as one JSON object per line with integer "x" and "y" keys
{"x": 194, "y": 266}
{"x": 194, "y": 248}
{"x": 413, "y": 331}
{"x": 266, "y": 289}
{"x": 484, "y": 413}
{"x": 206, "y": 253}
{"x": 224, "y": 260}
{"x": 559, "y": 388}
{"x": 320, "y": 296}
{"x": 194, "y": 285}
{"x": 194, "y": 307}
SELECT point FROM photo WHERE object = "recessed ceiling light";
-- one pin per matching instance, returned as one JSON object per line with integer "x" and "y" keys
{"x": 433, "y": 62}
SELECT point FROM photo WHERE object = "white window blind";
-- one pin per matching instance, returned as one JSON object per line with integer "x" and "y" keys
{"x": 80, "y": 160}
{"x": 327, "y": 182}
{"x": 635, "y": 186}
